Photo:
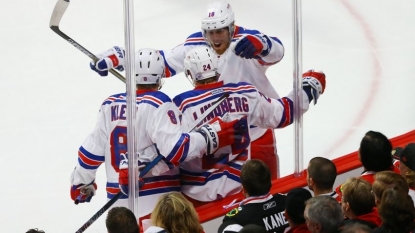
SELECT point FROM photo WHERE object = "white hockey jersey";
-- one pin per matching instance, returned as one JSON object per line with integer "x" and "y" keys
{"x": 158, "y": 123}
{"x": 232, "y": 68}
{"x": 205, "y": 180}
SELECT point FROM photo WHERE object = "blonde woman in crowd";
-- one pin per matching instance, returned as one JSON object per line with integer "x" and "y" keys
{"x": 386, "y": 180}
{"x": 358, "y": 203}
{"x": 174, "y": 214}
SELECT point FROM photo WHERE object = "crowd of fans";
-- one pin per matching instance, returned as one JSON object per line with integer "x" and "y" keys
{"x": 363, "y": 204}
{"x": 380, "y": 200}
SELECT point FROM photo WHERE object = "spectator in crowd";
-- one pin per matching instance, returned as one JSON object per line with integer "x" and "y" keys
{"x": 358, "y": 203}
{"x": 259, "y": 207}
{"x": 34, "y": 230}
{"x": 121, "y": 220}
{"x": 407, "y": 167}
{"x": 294, "y": 210}
{"x": 397, "y": 211}
{"x": 253, "y": 228}
{"x": 323, "y": 214}
{"x": 174, "y": 214}
{"x": 321, "y": 175}
{"x": 356, "y": 228}
{"x": 385, "y": 180}
{"x": 375, "y": 155}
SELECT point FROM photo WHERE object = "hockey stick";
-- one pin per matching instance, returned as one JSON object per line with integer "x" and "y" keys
{"x": 148, "y": 167}
{"x": 55, "y": 19}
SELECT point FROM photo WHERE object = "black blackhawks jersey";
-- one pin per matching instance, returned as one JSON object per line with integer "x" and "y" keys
{"x": 267, "y": 211}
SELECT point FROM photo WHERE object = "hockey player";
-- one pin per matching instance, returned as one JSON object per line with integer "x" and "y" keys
{"x": 243, "y": 54}
{"x": 158, "y": 123}
{"x": 206, "y": 180}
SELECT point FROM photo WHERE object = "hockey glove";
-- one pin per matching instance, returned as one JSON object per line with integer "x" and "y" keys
{"x": 250, "y": 46}
{"x": 112, "y": 58}
{"x": 123, "y": 174}
{"x": 314, "y": 84}
{"x": 219, "y": 133}
{"x": 83, "y": 192}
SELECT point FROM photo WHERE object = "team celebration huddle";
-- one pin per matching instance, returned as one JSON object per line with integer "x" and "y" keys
{"x": 201, "y": 145}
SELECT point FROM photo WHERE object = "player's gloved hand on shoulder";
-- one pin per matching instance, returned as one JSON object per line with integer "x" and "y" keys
{"x": 250, "y": 46}
{"x": 111, "y": 58}
{"x": 314, "y": 84}
{"x": 219, "y": 133}
{"x": 83, "y": 192}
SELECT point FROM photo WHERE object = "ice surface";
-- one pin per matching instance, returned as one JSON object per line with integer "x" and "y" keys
{"x": 50, "y": 97}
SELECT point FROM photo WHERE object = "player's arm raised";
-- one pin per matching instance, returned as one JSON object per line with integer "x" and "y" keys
{"x": 279, "y": 113}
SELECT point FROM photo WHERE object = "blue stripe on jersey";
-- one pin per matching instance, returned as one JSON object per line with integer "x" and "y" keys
{"x": 242, "y": 30}
{"x": 239, "y": 88}
{"x": 194, "y": 93}
{"x": 156, "y": 105}
{"x": 195, "y": 43}
{"x": 154, "y": 98}
{"x": 171, "y": 71}
{"x": 114, "y": 98}
{"x": 209, "y": 176}
{"x": 180, "y": 150}
{"x": 113, "y": 189}
{"x": 158, "y": 95}
{"x": 195, "y": 39}
{"x": 88, "y": 160}
{"x": 276, "y": 39}
{"x": 157, "y": 184}
{"x": 160, "y": 190}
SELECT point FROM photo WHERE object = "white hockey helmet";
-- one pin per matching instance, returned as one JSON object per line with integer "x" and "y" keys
{"x": 201, "y": 62}
{"x": 149, "y": 67}
{"x": 218, "y": 15}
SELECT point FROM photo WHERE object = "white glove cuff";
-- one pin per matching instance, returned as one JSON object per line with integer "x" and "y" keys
{"x": 211, "y": 137}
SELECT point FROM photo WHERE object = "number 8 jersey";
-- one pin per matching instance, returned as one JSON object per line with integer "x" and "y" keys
{"x": 158, "y": 123}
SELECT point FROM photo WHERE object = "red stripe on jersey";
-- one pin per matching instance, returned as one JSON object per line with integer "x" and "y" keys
{"x": 263, "y": 63}
{"x": 190, "y": 178}
{"x": 195, "y": 39}
{"x": 112, "y": 99}
{"x": 175, "y": 160}
{"x": 239, "y": 88}
{"x": 204, "y": 177}
{"x": 287, "y": 115}
{"x": 87, "y": 160}
{"x": 167, "y": 72}
{"x": 194, "y": 99}
{"x": 160, "y": 184}
{"x": 149, "y": 97}
{"x": 112, "y": 190}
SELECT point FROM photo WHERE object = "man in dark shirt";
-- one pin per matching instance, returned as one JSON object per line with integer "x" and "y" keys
{"x": 259, "y": 207}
